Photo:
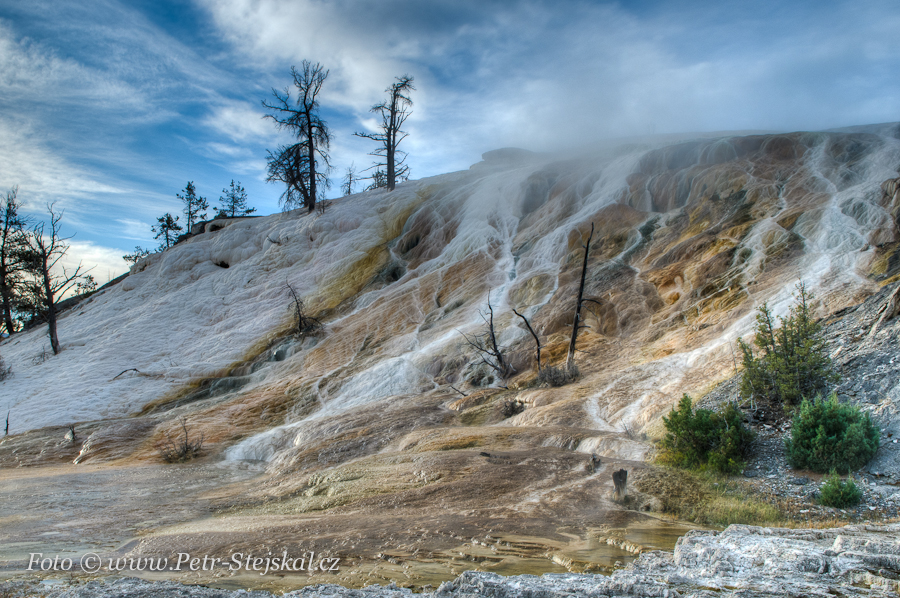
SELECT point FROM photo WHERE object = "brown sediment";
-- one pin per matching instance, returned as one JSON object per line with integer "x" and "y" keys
{"x": 423, "y": 483}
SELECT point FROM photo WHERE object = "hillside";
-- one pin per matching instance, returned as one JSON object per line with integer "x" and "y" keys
{"x": 354, "y": 435}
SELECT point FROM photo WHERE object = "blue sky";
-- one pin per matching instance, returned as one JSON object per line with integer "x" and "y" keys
{"x": 108, "y": 108}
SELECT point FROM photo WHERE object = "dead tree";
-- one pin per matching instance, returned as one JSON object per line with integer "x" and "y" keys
{"x": 485, "y": 344}
{"x": 350, "y": 178}
{"x": 6, "y": 433}
{"x": 304, "y": 324}
{"x": 298, "y": 165}
{"x": 576, "y": 322}
{"x": 394, "y": 112}
{"x": 537, "y": 341}
{"x": 620, "y": 478}
{"x": 179, "y": 450}
{"x": 47, "y": 248}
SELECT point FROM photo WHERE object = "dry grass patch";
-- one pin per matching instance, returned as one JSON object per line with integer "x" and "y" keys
{"x": 450, "y": 444}
{"x": 703, "y": 499}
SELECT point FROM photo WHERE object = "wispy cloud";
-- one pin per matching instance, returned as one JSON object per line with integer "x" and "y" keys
{"x": 239, "y": 121}
{"x": 41, "y": 175}
{"x": 103, "y": 263}
{"x": 540, "y": 73}
{"x": 109, "y": 107}
{"x": 137, "y": 230}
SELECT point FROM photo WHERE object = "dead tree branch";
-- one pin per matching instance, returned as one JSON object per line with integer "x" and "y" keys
{"x": 182, "y": 449}
{"x": 128, "y": 370}
{"x": 537, "y": 341}
{"x": 46, "y": 251}
{"x": 485, "y": 344}
{"x": 576, "y": 322}
{"x": 304, "y": 323}
{"x": 458, "y": 390}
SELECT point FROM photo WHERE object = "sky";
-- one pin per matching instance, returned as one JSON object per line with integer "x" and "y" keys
{"x": 108, "y": 108}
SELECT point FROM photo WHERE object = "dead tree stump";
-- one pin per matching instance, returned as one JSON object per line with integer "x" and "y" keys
{"x": 620, "y": 478}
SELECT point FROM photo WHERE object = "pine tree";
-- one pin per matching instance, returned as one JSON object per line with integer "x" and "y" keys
{"x": 139, "y": 254}
{"x": 13, "y": 258}
{"x": 168, "y": 228}
{"x": 379, "y": 180}
{"x": 234, "y": 202}
{"x": 792, "y": 360}
{"x": 194, "y": 206}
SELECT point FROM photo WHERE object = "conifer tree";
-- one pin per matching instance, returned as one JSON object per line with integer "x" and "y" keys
{"x": 234, "y": 202}
{"x": 194, "y": 206}
{"x": 792, "y": 360}
{"x": 168, "y": 228}
{"x": 13, "y": 259}
{"x": 139, "y": 254}
{"x": 394, "y": 111}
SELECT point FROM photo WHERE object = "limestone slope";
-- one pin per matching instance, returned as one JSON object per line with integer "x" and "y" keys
{"x": 689, "y": 239}
{"x": 382, "y": 438}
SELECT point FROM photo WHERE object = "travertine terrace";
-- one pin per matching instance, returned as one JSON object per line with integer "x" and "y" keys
{"x": 359, "y": 440}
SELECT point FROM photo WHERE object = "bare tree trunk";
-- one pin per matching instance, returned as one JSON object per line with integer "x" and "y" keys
{"x": 392, "y": 145}
{"x": 6, "y": 295}
{"x": 576, "y": 323}
{"x": 504, "y": 368}
{"x": 620, "y": 478}
{"x": 50, "y": 303}
{"x": 391, "y": 175}
{"x": 537, "y": 341}
{"x": 311, "y": 148}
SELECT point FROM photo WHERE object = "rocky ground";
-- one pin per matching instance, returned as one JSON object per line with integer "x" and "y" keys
{"x": 748, "y": 561}
{"x": 864, "y": 342}
{"x": 796, "y": 493}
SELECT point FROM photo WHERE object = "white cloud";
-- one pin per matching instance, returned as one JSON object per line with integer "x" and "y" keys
{"x": 104, "y": 263}
{"x": 34, "y": 73}
{"x": 344, "y": 37}
{"x": 136, "y": 230}
{"x": 42, "y": 175}
{"x": 240, "y": 122}
{"x": 541, "y": 74}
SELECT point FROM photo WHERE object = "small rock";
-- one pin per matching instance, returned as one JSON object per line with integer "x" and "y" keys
{"x": 801, "y": 481}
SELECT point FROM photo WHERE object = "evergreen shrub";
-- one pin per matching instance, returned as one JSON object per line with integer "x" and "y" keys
{"x": 838, "y": 493}
{"x": 791, "y": 362}
{"x": 705, "y": 438}
{"x": 829, "y": 435}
